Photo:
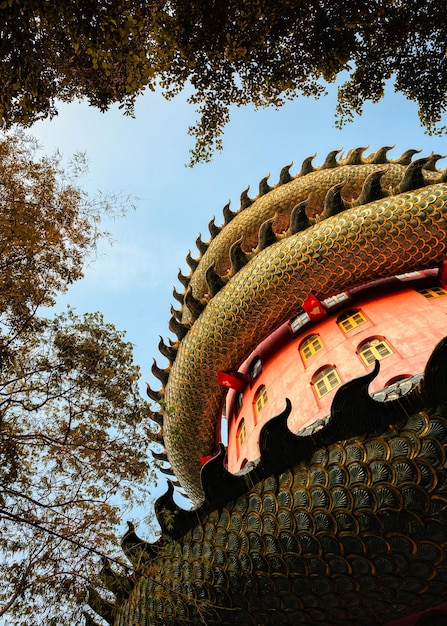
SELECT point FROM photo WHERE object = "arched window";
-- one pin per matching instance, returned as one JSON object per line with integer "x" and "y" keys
{"x": 432, "y": 292}
{"x": 238, "y": 401}
{"x": 325, "y": 380}
{"x": 351, "y": 319}
{"x": 241, "y": 434}
{"x": 374, "y": 349}
{"x": 310, "y": 346}
{"x": 255, "y": 368}
{"x": 260, "y": 399}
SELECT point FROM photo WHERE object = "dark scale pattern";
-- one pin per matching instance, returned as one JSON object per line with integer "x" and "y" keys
{"x": 355, "y": 536}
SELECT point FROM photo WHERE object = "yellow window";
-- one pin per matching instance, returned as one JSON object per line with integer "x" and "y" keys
{"x": 260, "y": 399}
{"x": 350, "y": 320}
{"x": 326, "y": 380}
{"x": 375, "y": 349}
{"x": 432, "y": 292}
{"x": 310, "y": 346}
{"x": 241, "y": 433}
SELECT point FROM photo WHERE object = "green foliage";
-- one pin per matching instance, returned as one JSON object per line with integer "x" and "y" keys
{"x": 232, "y": 52}
{"x": 73, "y": 428}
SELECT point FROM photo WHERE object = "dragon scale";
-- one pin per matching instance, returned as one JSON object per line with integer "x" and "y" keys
{"x": 398, "y": 233}
{"x": 344, "y": 522}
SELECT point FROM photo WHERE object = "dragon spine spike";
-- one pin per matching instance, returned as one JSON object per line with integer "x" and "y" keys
{"x": 307, "y": 167}
{"x": 157, "y": 437}
{"x": 137, "y": 550}
{"x": 228, "y": 214}
{"x": 264, "y": 187}
{"x": 355, "y": 156}
{"x": 202, "y": 246}
{"x": 176, "y": 313}
{"x": 333, "y": 202}
{"x": 284, "y": 175}
{"x": 213, "y": 280}
{"x": 380, "y": 156}
{"x": 195, "y": 306}
{"x": 238, "y": 257}
{"x": 246, "y": 201}
{"x": 157, "y": 417}
{"x": 430, "y": 166}
{"x": 178, "y": 296}
{"x": 372, "y": 188}
{"x": 214, "y": 230}
{"x": 298, "y": 218}
{"x": 406, "y": 157}
{"x": 161, "y": 374}
{"x": 413, "y": 177}
{"x": 104, "y": 608}
{"x": 267, "y": 235}
{"x": 160, "y": 456}
{"x": 331, "y": 160}
{"x": 169, "y": 352}
{"x": 178, "y": 328}
{"x": 167, "y": 471}
{"x": 156, "y": 396}
{"x": 193, "y": 263}
{"x": 184, "y": 280}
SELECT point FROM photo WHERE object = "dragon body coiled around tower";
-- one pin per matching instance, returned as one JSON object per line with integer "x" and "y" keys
{"x": 343, "y": 524}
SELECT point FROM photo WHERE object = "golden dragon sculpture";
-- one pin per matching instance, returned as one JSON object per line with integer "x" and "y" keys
{"x": 340, "y": 524}
{"x": 323, "y": 231}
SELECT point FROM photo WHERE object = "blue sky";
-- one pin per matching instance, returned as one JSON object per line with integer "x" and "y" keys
{"x": 131, "y": 282}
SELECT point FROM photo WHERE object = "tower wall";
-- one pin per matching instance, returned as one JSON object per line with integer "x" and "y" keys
{"x": 393, "y": 311}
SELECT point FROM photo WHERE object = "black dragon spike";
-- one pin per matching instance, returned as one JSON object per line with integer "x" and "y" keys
{"x": 298, "y": 218}
{"x": 372, "y": 189}
{"x": 213, "y": 280}
{"x": 214, "y": 230}
{"x": 413, "y": 177}
{"x": 307, "y": 167}
{"x": 434, "y": 384}
{"x": 157, "y": 417}
{"x": 333, "y": 202}
{"x": 430, "y": 166}
{"x": 137, "y": 550}
{"x": 219, "y": 485}
{"x": 284, "y": 175}
{"x": 238, "y": 257}
{"x": 102, "y": 607}
{"x": 170, "y": 352}
{"x": 202, "y": 246}
{"x": 266, "y": 235}
{"x": 331, "y": 160}
{"x": 178, "y": 296}
{"x": 246, "y": 201}
{"x": 195, "y": 306}
{"x": 173, "y": 520}
{"x": 119, "y": 585}
{"x": 158, "y": 372}
{"x": 193, "y": 263}
{"x": 156, "y": 396}
{"x": 160, "y": 456}
{"x": 183, "y": 279}
{"x": 264, "y": 187}
{"x": 176, "y": 313}
{"x": 354, "y": 412}
{"x": 380, "y": 156}
{"x": 278, "y": 446}
{"x": 355, "y": 156}
{"x": 406, "y": 157}
{"x": 179, "y": 329}
{"x": 228, "y": 214}
{"x": 167, "y": 471}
